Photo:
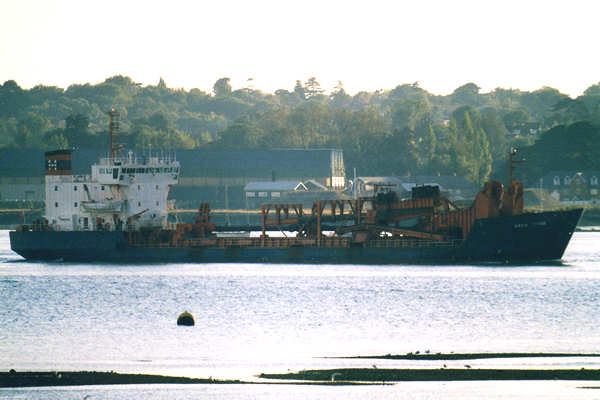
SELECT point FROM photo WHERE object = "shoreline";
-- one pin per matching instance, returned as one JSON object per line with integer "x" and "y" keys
{"x": 16, "y": 379}
{"x": 464, "y": 356}
{"x": 335, "y": 376}
{"x": 27, "y": 379}
{"x": 467, "y": 373}
{"x": 437, "y": 375}
{"x": 328, "y": 377}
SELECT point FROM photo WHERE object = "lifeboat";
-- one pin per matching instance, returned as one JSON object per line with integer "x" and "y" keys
{"x": 102, "y": 207}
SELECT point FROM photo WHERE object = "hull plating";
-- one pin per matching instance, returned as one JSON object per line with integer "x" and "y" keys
{"x": 526, "y": 237}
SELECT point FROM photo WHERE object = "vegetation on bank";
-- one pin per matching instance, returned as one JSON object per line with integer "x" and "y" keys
{"x": 399, "y": 131}
{"x": 14, "y": 379}
{"x": 80, "y": 378}
{"x": 438, "y": 374}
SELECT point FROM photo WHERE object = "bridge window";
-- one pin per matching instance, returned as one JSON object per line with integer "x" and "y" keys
{"x": 56, "y": 204}
{"x": 75, "y": 188}
{"x": 75, "y": 204}
{"x": 56, "y": 188}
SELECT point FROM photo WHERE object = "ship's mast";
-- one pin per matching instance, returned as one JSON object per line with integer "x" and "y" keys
{"x": 511, "y": 164}
{"x": 114, "y": 146}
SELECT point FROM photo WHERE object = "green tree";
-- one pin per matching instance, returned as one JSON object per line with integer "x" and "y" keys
{"x": 242, "y": 134}
{"x": 568, "y": 111}
{"x": 361, "y": 100}
{"x": 312, "y": 88}
{"x": 198, "y": 125}
{"x": 506, "y": 98}
{"x": 407, "y": 113}
{"x": 467, "y": 94}
{"x": 41, "y": 95}
{"x": 574, "y": 147}
{"x": 540, "y": 104}
{"x": 24, "y": 138}
{"x": 299, "y": 90}
{"x": 222, "y": 87}
{"x": 496, "y": 132}
{"x": 514, "y": 118}
{"x": 470, "y": 145}
{"x": 13, "y": 99}
{"x": 31, "y": 130}
{"x": 593, "y": 90}
{"x": 58, "y": 141}
{"x": 159, "y": 121}
{"x": 76, "y": 131}
{"x": 408, "y": 92}
{"x": 427, "y": 144}
{"x": 8, "y": 131}
{"x": 339, "y": 98}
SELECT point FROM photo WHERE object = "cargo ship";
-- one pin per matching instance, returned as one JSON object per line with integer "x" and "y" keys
{"x": 119, "y": 214}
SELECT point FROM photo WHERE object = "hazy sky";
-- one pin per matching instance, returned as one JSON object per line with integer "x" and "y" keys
{"x": 366, "y": 44}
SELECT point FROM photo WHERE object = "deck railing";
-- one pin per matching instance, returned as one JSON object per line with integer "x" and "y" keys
{"x": 402, "y": 243}
{"x": 267, "y": 242}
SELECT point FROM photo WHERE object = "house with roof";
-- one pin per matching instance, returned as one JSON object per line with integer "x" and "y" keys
{"x": 572, "y": 186}
{"x": 272, "y": 190}
{"x": 527, "y": 128}
{"x": 286, "y": 192}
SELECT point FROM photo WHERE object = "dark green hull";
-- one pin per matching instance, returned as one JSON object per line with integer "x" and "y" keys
{"x": 530, "y": 237}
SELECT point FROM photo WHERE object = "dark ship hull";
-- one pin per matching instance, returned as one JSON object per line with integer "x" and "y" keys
{"x": 528, "y": 237}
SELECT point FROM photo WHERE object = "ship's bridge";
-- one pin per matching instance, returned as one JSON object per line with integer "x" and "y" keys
{"x": 131, "y": 169}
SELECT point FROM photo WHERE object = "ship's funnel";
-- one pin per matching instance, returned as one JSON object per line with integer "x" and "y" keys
{"x": 58, "y": 162}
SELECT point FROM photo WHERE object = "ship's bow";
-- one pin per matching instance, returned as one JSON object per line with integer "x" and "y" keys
{"x": 526, "y": 237}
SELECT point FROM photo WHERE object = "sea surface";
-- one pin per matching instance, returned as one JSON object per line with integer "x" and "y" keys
{"x": 253, "y": 318}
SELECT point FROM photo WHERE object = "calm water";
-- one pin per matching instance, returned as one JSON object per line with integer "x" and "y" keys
{"x": 253, "y": 318}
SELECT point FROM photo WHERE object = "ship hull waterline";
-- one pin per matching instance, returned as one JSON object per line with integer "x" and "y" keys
{"x": 529, "y": 237}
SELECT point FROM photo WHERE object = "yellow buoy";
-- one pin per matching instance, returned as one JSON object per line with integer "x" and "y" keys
{"x": 185, "y": 319}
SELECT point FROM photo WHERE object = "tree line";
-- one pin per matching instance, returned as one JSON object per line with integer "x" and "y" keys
{"x": 402, "y": 131}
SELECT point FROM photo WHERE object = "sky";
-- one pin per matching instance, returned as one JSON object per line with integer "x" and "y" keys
{"x": 367, "y": 45}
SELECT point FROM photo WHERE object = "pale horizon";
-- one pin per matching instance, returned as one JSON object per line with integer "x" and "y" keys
{"x": 366, "y": 46}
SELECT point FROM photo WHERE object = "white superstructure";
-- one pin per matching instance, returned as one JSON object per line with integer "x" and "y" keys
{"x": 122, "y": 192}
